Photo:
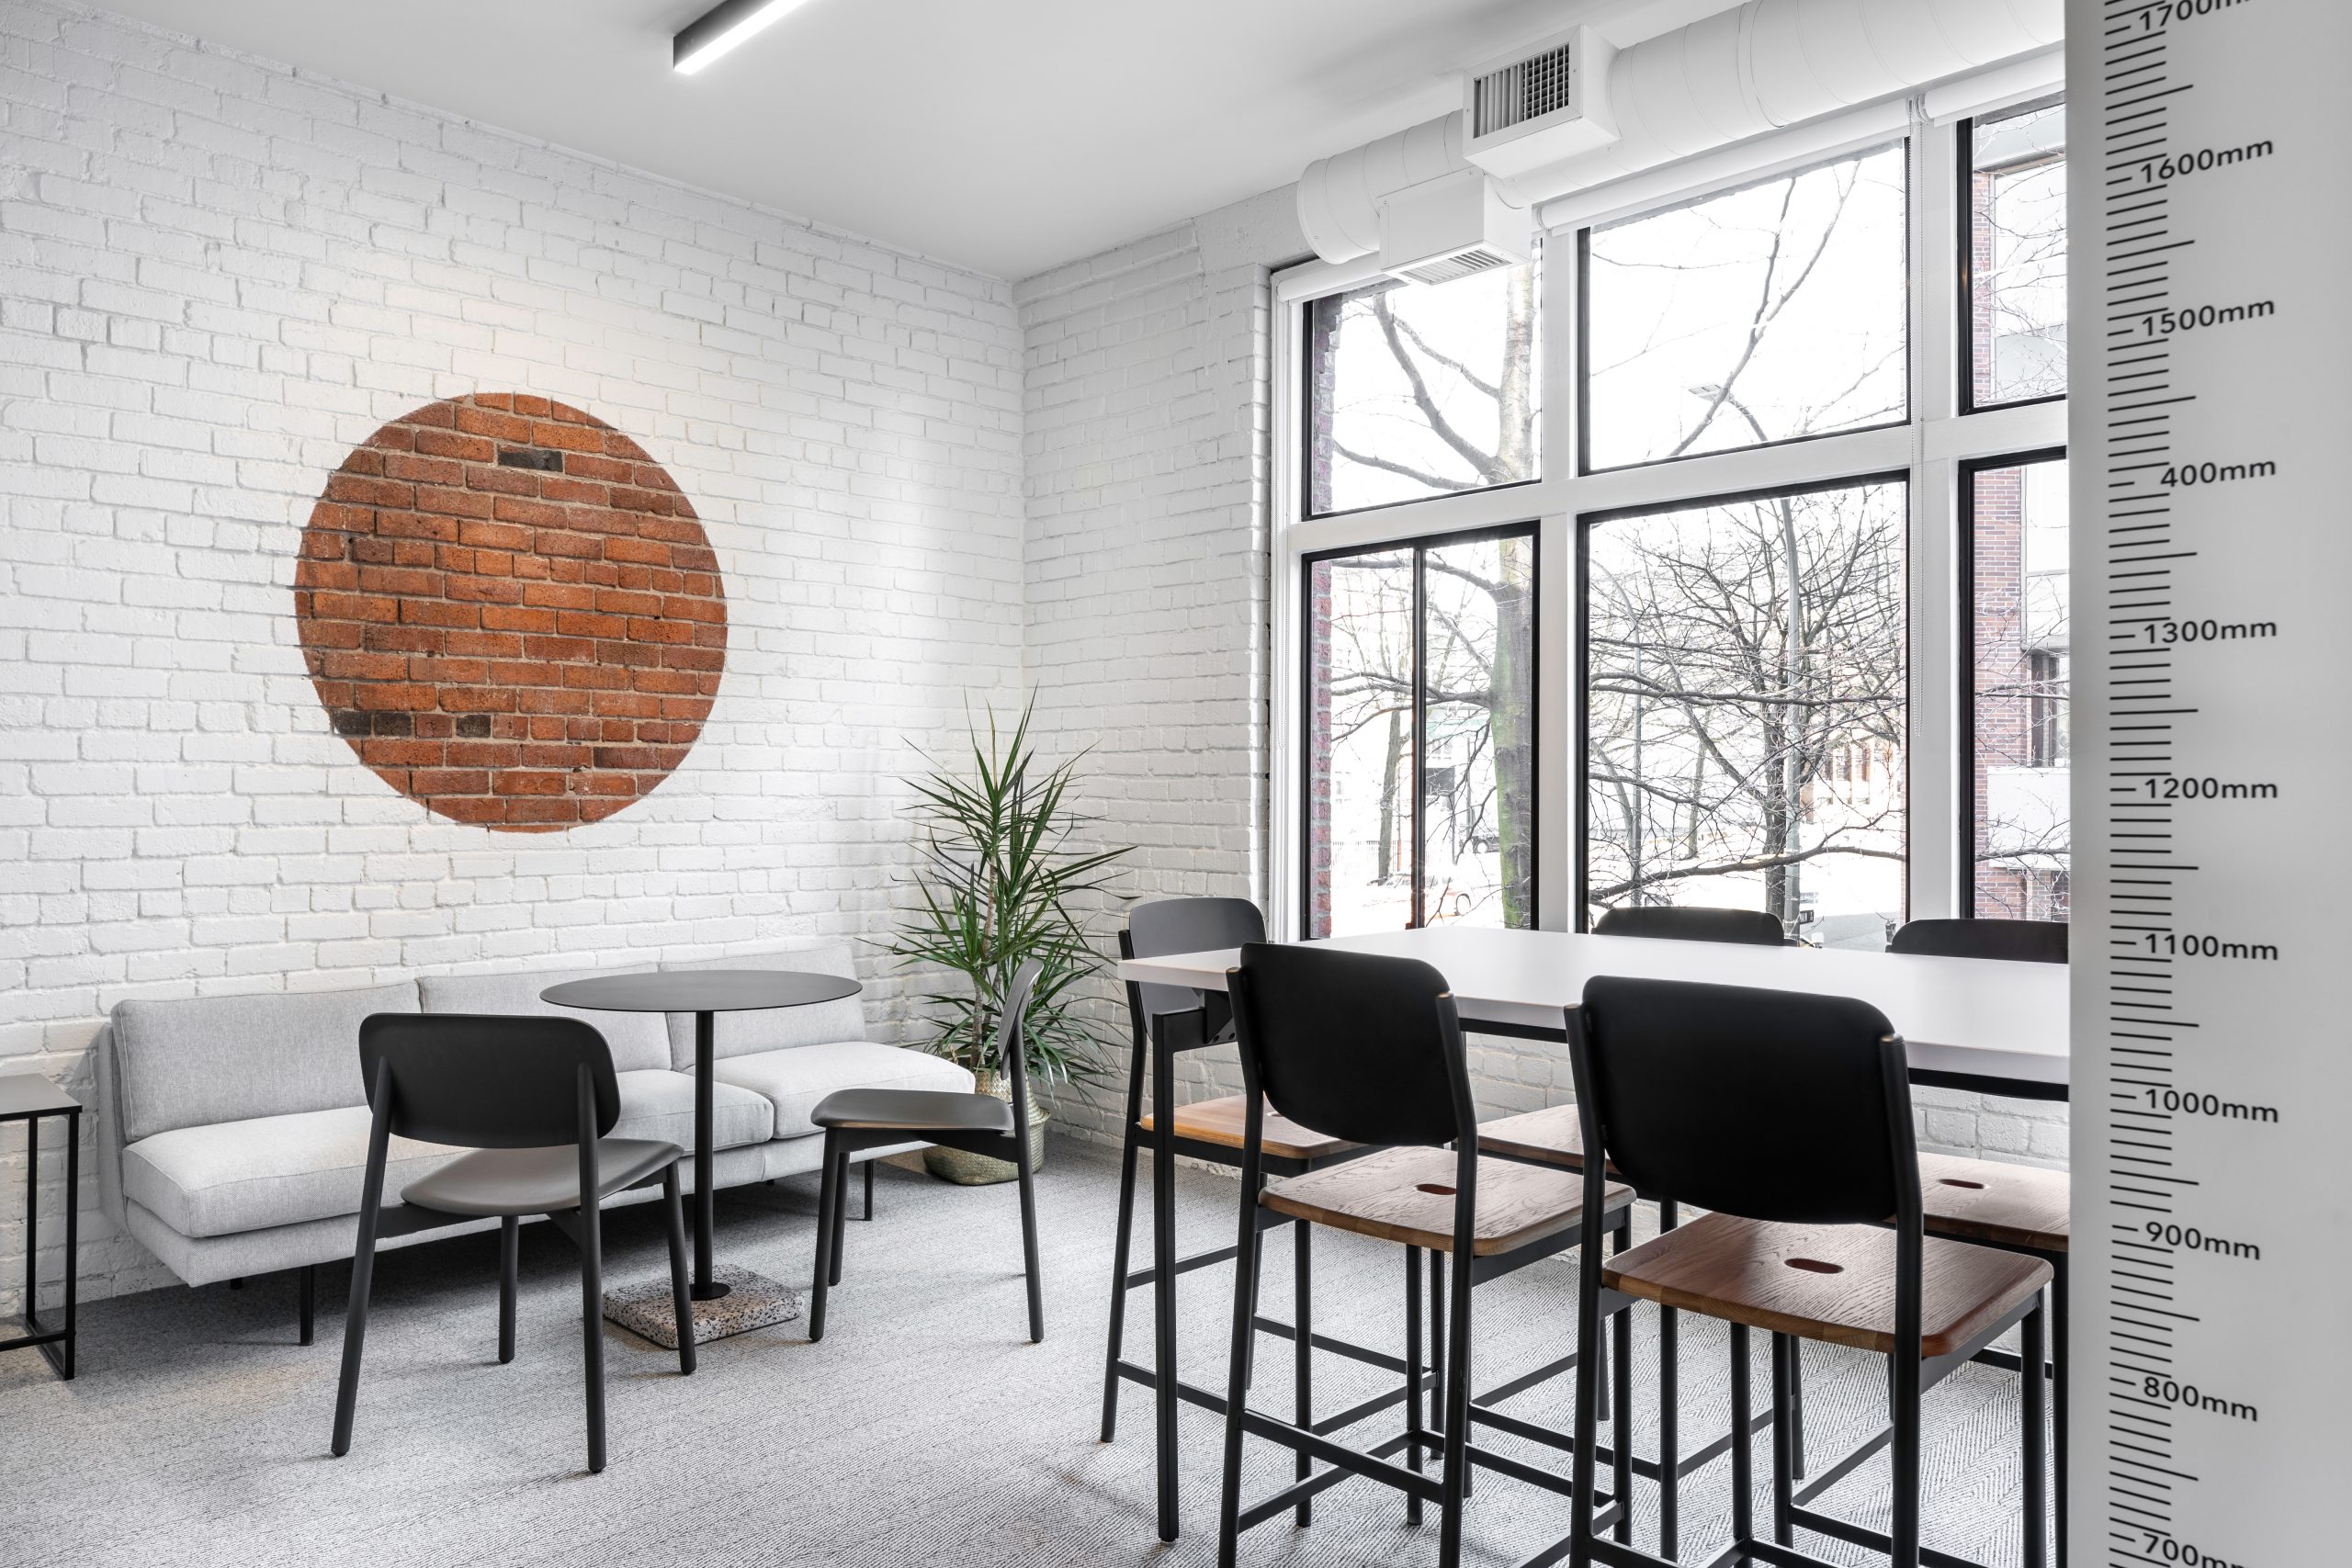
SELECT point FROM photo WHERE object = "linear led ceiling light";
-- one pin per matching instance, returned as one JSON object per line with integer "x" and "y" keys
{"x": 721, "y": 29}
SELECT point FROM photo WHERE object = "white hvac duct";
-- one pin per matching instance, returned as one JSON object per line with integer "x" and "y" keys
{"x": 1754, "y": 69}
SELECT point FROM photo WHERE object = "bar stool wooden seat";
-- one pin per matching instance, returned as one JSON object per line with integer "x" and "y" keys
{"x": 1787, "y": 1116}
{"x": 1223, "y": 1121}
{"x": 1369, "y": 1049}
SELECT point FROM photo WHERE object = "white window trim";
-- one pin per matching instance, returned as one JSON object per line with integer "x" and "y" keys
{"x": 1930, "y": 447}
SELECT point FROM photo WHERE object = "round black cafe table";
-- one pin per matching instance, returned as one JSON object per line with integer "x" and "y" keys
{"x": 705, "y": 993}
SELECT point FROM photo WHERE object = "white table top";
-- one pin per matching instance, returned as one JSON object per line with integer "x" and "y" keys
{"x": 1981, "y": 1018}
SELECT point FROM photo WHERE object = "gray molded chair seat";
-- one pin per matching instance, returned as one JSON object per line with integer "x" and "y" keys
{"x": 535, "y": 1181}
{"x": 915, "y": 1111}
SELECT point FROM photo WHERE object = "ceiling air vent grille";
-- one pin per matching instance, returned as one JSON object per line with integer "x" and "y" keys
{"x": 1524, "y": 90}
{"x": 1445, "y": 269}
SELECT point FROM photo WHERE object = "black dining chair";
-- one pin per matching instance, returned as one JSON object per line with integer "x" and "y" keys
{"x": 1369, "y": 1049}
{"x": 859, "y": 1119}
{"x": 1693, "y": 922}
{"x": 1787, "y": 1116}
{"x": 2022, "y": 942}
{"x": 533, "y": 1099}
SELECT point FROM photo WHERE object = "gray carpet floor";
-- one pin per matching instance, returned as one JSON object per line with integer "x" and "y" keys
{"x": 925, "y": 1429}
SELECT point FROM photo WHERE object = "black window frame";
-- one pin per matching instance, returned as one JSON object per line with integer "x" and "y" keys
{"x": 1420, "y": 545}
{"x": 1581, "y": 741}
{"x": 1965, "y": 362}
{"x": 1964, "y": 751}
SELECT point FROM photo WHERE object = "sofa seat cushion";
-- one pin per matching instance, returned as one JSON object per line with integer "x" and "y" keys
{"x": 235, "y": 1177}
{"x": 794, "y": 1080}
{"x": 661, "y": 1106}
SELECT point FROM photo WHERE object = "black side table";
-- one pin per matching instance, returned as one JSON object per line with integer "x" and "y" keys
{"x": 26, "y": 1098}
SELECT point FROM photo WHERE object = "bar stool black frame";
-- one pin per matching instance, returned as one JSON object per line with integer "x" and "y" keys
{"x": 533, "y": 1099}
{"x": 1166, "y": 1021}
{"x": 1661, "y": 1152}
{"x": 31, "y": 1099}
{"x": 1375, "y": 1016}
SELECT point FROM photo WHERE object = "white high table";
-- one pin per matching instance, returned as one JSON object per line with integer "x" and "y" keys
{"x": 1972, "y": 1023}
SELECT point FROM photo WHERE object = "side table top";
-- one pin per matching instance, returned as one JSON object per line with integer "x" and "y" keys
{"x": 29, "y": 1094}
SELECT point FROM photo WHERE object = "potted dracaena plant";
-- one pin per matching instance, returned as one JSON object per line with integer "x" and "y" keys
{"x": 999, "y": 881}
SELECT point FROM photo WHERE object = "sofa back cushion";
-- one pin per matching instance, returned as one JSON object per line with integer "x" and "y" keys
{"x": 638, "y": 1039}
{"x": 775, "y": 1028}
{"x": 193, "y": 1062}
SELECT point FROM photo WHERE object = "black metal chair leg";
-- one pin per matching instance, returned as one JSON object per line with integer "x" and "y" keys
{"x": 1743, "y": 1475}
{"x": 1669, "y": 1412}
{"x": 509, "y": 1265}
{"x": 1413, "y": 1378}
{"x": 1121, "y": 1249}
{"x": 1796, "y": 1407}
{"x": 309, "y": 1291}
{"x": 682, "y": 1306}
{"x": 1905, "y": 1401}
{"x": 1163, "y": 1287}
{"x": 840, "y": 1216}
{"x": 2058, "y": 1366}
{"x": 828, "y": 1195}
{"x": 1458, "y": 1434}
{"x": 1028, "y": 1245}
{"x": 1620, "y": 1432}
{"x": 592, "y": 1325}
{"x": 2036, "y": 1460}
{"x": 1784, "y": 1418}
{"x": 355, "y": 1330}
{"x": 1302, "y": 1352}
{"x": 1237, "y": 1392}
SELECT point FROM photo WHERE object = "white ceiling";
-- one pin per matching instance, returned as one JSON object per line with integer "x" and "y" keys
{"x": 1006, "y": 135}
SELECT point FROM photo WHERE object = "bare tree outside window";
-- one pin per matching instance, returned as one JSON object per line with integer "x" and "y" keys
{"x": 1772, "y": 313}
{"x": 1745, "y": 744}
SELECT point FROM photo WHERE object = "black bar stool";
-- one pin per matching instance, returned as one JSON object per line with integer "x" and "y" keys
{"x": 1788, "y": 1116}
{"x": 1168, "y": 1021}
{"x": 533, "y": 1097}
{"x": 1369, "y": 1049}
{"x": 2016, "y": 1207}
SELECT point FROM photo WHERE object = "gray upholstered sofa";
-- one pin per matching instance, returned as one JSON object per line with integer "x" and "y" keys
{"x": 234, "y": 1129}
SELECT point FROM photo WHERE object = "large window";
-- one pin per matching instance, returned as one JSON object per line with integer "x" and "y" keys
{"x": 1770, "y": 313}
{"x": 1420, "y": 731}
{"x": 2014, "y": 810}
{"x": 1688, "y": 565}
{"x": 1416, "y": 391}
{"x": 1745, "y": 742}
{"x": 2015, "y": 305}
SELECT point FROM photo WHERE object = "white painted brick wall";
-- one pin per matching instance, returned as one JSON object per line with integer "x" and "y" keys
{"x": 218, "y": 274}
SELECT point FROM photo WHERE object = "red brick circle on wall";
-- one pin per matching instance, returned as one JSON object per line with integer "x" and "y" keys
{"x": 511, "y": 613}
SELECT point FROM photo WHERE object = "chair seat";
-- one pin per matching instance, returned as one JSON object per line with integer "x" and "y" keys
{"x": 1221, "y": 1121}
{"x": 1407, "y": 1195}
{"x": 535, "y": 1181}
{"x": 1828, "y": 1282}
{"x": 913, "y": 1111}
{"x": 1554, "y": 1135}
{"x": 1982, "y": 1200}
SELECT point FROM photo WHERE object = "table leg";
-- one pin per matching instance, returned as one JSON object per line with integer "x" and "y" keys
{"x": 706, "y": 1289}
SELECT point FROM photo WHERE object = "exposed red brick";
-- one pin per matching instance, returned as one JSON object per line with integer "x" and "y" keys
{"x": 520, "y": 648}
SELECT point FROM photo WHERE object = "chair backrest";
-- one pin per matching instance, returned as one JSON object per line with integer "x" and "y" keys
{"x": 2029, "y": 941}
{"x": 489, "y": 1081}
{"x": 1692, "y": 923}
{"x": 1187, "y": 925}
{"x": 1353, "y": 1044}
{"x": 1010, "y": 1047}
{"x": 1774, "y": 1105}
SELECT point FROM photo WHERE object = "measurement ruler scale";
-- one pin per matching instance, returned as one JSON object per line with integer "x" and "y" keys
{"x": 2212, "y": 354}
